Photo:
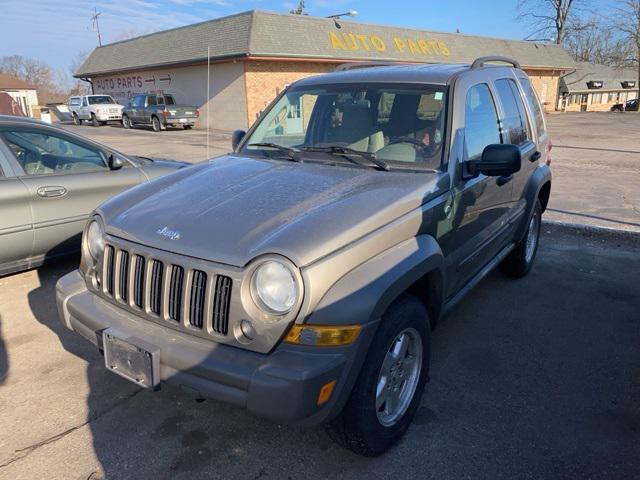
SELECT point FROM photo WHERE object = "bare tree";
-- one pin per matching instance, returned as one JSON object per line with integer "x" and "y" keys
{"x": 627, "y": 15}
{"x": 550, "y": 18}
{"x": 595, "y": 41}
{"x": 35, "y": 72}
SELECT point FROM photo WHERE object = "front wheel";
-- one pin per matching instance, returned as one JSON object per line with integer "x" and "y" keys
{"x": 94, "y": 121}
{"x": 126, "y": 123}
{"x": 155, "y": 124}
{"x": 387, "y": 393}
{"x": 520, "y": 260}
{"x": 76, "y": 119}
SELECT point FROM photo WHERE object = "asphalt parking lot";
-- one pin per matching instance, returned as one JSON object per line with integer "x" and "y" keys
{"x": 536, "y": 378}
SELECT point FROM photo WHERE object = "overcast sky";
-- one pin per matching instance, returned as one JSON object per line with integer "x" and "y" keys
{"x": 57, "y": 30}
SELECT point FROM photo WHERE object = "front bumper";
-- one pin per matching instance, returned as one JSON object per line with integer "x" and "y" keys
{"x": 103, "y": 117}
{"x": 282, "y": 386}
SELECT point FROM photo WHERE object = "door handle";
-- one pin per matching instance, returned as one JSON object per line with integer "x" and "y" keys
{"x": 52, "y": 191}
{"x": 535, "y": 156}
{"x": 500, "y": 181}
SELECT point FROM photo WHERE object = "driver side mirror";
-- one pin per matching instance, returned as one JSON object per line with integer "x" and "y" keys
{"x": 115, "y": 162}
{"x": 236, "y": 138}
{"x": 497, "y": 160}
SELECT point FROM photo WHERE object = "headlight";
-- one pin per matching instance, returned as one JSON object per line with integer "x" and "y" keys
{"x": 95, "y": 240}
{"x": 274, "y": 287}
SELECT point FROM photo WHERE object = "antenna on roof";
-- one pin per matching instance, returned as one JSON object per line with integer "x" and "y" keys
{"x": 95, "y": 25}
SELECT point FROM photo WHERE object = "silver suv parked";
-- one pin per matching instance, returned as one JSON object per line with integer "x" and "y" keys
{"x": 300, "y": 276}
{"x": 97, "y": 109}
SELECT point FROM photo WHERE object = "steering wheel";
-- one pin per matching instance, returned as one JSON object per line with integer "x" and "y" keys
{"x": 426, "y": 150}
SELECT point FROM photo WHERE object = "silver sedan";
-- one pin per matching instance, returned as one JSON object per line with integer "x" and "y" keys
{"x": 50, "y": 181}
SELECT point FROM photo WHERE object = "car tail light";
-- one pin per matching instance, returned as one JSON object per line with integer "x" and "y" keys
{"x": 165, "y": 113}
{"x": 197, "y": 113}
{"x": 549, "y": 147}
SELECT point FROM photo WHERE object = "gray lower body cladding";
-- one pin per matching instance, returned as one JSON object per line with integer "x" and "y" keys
{"x": 282, "y": 386}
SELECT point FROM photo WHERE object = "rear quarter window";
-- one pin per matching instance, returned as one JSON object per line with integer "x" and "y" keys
{"x": 534, "y": 105}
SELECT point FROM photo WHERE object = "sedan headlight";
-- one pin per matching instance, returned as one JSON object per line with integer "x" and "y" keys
{"x": 95, "y": 240}
{"x": 274, "y": 287}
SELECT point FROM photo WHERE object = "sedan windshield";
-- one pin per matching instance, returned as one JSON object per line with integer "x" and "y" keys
{"x": 397, "y": 124}
{"x": 99, "y": 99}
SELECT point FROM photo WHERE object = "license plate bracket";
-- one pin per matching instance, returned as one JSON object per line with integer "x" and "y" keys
{"x": 132, "y": 358}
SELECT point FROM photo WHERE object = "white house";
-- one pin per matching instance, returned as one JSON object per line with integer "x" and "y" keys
{"x": 23, "y": 94}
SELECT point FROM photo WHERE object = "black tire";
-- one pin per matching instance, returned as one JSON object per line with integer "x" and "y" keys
{"x": 126, "y": 122}
{"x": 94, "y": 121}
{"x": 188, "y": 127}
{"x": 103, "y": 124}
{"x": 76, "y": 119}
{"x": 155, "y": 124}
{"x": 520, "y": 260}
{"x": 358, "y": 427}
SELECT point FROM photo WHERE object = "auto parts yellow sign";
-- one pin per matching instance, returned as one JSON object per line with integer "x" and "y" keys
{"x": 419, "y": 47}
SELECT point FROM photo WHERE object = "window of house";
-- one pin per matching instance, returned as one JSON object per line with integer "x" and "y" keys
{"x": 481, "y": 121}
{"x": 596, "y": 98}
{"x": 515, "y": 126}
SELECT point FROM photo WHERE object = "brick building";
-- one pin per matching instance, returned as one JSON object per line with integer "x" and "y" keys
{"x": 596, "y": 88}
{"x": 254, "y": 55}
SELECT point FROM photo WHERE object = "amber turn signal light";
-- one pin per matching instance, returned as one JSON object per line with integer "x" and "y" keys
{"x": 325, "y": 392}
{"x": 323, "y": 335}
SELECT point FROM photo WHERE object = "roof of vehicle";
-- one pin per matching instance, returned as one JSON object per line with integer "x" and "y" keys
{"x": 259, "y": 34}
{"x": 438, "y": 74}
{"x": 14, "y": 119}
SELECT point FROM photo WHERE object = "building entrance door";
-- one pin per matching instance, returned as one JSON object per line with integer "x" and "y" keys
{"x": 584, "y": 98}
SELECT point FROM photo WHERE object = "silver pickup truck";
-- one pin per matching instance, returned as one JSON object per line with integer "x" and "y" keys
{"x": 158, "y": 111}
{"x": 300, "y": 276}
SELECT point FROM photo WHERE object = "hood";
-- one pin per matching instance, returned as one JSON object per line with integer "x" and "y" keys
{"x": 233, "y": 209}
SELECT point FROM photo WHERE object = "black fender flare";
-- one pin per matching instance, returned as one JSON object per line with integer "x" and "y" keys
{"x": 540, "y": 177}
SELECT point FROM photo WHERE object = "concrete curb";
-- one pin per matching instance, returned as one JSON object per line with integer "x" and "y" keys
{"x": 603, "y": 233}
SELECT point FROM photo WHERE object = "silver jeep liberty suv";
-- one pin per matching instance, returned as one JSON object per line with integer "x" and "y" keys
{"x": 300, "y": 276}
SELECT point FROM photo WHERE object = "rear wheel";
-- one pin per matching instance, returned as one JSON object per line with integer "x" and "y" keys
{"x": 126, "y": 123}
{"x": 155, "y": 124}
{"x": 387, "y": 393}
{"x": 188, "y": 127}
{"x": 94, "y": 120}
{"x": 76, "y": 119}
{"x": 520, "y": 260}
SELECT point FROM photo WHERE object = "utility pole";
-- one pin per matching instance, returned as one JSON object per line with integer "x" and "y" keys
{"x": 95, "y": 25}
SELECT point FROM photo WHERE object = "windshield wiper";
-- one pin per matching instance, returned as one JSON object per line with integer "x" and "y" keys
{"x": 346, "y": 152}
{"x": 289, "y": 152}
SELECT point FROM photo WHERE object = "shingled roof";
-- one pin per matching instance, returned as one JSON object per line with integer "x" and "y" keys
{"x": 585, "y": 72}
{"x": 265, "y": 34}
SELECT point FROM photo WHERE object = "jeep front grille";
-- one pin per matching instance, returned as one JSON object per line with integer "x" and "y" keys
{"x": 164, "y": 291}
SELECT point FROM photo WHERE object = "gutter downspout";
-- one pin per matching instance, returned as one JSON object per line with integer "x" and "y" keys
{"x": 84, "y": 79}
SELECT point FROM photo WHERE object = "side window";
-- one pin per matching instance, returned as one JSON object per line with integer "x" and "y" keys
{"x": 84, "y": 102}
{"x": 160, "y": 100}
{"x": 138, "y": 101}
{"x": 168, "y": 100}
{"x": 481, "y": 121}
{"x": 534, "y": 104}
{"x": 151, "y": 100}
{"x": 45, "y": 153}
{"x": 515, "y": 128}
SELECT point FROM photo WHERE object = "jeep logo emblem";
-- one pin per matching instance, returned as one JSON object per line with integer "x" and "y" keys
{"x": 167, "y": 232}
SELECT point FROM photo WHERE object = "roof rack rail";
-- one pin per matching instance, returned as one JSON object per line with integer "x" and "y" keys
{"x": 343, "y": 67}
{"x": 479, "y": 62}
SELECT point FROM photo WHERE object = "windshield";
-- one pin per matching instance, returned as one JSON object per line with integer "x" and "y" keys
{"x": 400, "y": 124}
{"x": 98, "y": 99}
